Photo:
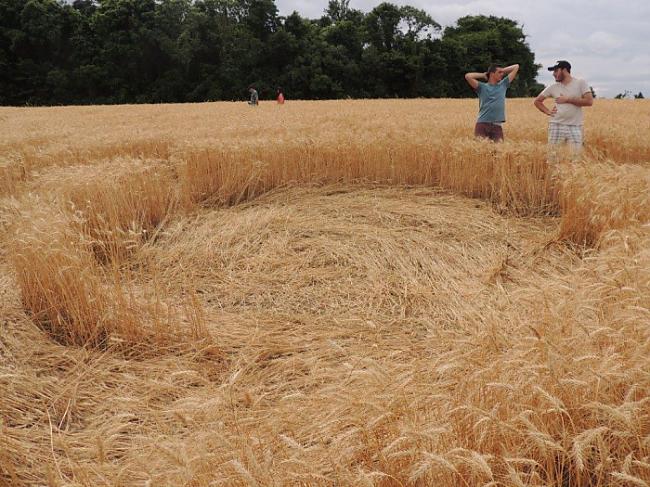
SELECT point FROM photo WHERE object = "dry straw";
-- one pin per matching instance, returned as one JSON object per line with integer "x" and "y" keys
{"x": 304, "y": 295}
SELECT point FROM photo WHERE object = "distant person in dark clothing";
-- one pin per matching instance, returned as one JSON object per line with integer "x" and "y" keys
{"x": 492, "y": 99}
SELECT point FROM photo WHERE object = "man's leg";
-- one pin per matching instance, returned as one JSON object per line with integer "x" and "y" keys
{"x": 575, "y": 140}
{"x": 496, "y": 133}
{"x": 554, "y": 141}
{"x": 481, "y": 130}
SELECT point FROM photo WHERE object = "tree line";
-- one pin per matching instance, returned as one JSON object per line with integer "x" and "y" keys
{"x": 151, "y": 51}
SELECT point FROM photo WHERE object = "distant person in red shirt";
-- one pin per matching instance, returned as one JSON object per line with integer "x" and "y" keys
{"x": 280, "y": 97}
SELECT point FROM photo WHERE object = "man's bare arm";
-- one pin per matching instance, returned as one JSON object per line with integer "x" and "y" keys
{"x": 511, "y": 71}
{"x": 472, "y": 79}
{"x": 586, "y": 100}
{"x": 539, "y": 103}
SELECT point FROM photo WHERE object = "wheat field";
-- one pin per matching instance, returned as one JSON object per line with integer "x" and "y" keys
{"x": 350, "y": 293}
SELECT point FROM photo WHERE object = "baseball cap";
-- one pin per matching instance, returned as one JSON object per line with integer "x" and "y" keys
{"x": 560, "y": 65}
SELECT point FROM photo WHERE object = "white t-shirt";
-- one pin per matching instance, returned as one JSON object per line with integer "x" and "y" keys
{"x": 567, "y": 113}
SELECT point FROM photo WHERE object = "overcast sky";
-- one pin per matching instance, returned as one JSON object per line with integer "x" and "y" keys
{"x": 606, "y": 42}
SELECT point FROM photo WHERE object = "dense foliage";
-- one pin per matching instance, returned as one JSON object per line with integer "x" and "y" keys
{"x": 148, "y": 51}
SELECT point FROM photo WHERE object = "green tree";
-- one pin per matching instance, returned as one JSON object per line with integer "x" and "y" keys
{"x": 135, "y": 51}
{"x": 382, "y": 26}
{"x": 337, "y": 10}
{"x": 34, "y": 46}
{"x": 418, "y": 23}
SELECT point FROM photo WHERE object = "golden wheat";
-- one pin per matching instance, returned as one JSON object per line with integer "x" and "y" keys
{"x": 325, "y": 293}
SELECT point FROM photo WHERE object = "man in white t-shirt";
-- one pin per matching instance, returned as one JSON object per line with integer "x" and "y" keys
{"x": 570, "y": 95}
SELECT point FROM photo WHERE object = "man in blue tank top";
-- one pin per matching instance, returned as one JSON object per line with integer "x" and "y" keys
{"x": 492, "y": 99}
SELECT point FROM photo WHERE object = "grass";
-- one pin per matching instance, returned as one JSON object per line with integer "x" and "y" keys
{"x": 349, "y": 293}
